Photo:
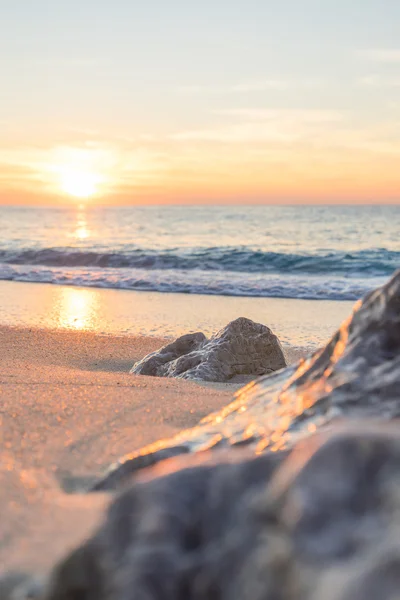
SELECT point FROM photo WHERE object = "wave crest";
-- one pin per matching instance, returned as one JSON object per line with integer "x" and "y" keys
{"x": 369, "y": 263}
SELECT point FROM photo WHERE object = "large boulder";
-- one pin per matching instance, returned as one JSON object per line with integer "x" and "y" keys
{"x": 321, "y": 522}
{"x": 241, "y": 348}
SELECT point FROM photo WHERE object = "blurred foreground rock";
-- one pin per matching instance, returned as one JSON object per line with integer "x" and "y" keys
{"x": 320, "y": 522}
{"x": 241, "y": 348}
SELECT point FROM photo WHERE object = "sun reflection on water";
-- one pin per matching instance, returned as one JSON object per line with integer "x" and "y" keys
{"x": 81, "y": 233}
{"x": 81, "y": 230}
{"x": 78, "y": 309}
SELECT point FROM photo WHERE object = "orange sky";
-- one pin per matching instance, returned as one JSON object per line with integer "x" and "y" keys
{"x": 284, "y": 173}
{"x": 216, "y": 103}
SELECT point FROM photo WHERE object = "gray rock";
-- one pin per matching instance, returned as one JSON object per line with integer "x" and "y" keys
{"x": 319, "y": 522}
{"x": 20, "y": 586}
{"x": 357, "y": 375}
{"x": 241, "y": 348}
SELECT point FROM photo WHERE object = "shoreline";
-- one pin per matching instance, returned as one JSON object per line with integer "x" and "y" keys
{"x": 300, "y": 323}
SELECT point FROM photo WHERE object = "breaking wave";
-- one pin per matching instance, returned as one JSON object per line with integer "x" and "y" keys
{"x": 369, "y": 263}
{"x": 227, "y": 283}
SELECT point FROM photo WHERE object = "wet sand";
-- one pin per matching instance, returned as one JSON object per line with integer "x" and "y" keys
{"x": 126, "y": 312}
{"x": 68, "y": 409}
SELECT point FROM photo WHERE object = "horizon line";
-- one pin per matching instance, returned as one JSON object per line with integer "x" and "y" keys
{"x": 91, "y": 205}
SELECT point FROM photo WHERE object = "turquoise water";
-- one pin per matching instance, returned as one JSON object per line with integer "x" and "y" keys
{"x": 336, "y": 253}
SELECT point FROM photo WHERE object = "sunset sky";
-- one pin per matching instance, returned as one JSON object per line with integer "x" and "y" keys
{"x": 173, "y": 101}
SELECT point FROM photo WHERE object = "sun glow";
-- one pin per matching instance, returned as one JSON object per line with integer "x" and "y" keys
{"x": 80, "y": 184}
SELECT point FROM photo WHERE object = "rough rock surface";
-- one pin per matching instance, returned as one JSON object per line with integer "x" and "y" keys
{"x": 241, "y": 348}
{"x": 319, "y": 522}
{"x": 357, "y": 375}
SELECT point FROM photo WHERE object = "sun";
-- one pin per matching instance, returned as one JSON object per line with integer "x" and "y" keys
{"x": 79, "y": 184}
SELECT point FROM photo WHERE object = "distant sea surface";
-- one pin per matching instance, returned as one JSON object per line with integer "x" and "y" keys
{"x": 309, "y": 252}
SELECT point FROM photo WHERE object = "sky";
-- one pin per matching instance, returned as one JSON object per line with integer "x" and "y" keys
{"x": 218, "y": 101}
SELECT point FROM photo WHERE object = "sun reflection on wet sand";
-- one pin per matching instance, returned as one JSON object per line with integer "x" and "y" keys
{"x": 78, "y": 309}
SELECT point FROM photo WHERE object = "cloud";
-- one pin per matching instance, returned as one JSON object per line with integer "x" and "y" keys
{"x": 237, "y": 88}
{"x": 75, "y": 63}
{"x": 381, "y": 55}
{"x": 380, "y": 82}
{"x": 298, "y": 115}
{"x": 10, "y": 172}
{"x": 264, "y": 125}
{"x": 293, "y": 134}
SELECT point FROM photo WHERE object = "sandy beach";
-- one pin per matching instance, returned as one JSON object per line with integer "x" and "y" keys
{"x": 69, "y": 408}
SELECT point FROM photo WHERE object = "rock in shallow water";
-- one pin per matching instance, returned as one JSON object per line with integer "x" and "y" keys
{"x": 241, "y": 348}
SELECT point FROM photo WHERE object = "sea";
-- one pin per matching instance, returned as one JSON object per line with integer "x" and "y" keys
{"x": 307, "y": 252}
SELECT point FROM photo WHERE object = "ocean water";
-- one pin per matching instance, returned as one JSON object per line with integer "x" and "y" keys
{"x": 309, "y": 252}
